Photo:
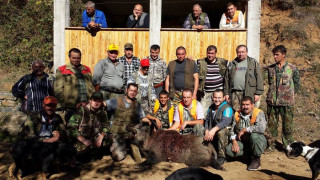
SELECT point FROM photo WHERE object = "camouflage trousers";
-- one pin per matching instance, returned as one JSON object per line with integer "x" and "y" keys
{"x": 236, "y": 97}
{"x": 197, "y": 130}
{"x": 119, "y": 151}
{"x": 286, "y": 113}
{"x": 83, "y": 150}
{"x": 220, "y": 142}
{"x": 254, "y": 143}
{"x": 177, "y": 98}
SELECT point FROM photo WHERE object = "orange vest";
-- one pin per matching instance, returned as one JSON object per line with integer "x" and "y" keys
{"x": 255, "y": 113}
{"x": 234, "y": 19}
{"x": 170, "y": 111}
{"x": 193, "y": 110}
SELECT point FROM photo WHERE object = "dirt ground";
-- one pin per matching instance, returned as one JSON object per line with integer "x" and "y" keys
{"x": 275, "y": 165}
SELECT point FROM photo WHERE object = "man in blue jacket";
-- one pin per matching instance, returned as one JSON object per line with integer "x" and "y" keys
{"x": 93, "y": 19}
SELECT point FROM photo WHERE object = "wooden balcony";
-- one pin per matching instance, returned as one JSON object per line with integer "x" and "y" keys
{"x": 95, "y": 48}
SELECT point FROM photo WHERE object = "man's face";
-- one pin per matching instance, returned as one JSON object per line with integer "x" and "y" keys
{"x": 113, "y": 55}
{"x": 144, "y": 70}
{"x": 37, "y": 69}
{"x": 95, "y": 104}
{"x": 75, "y": 59}
{"x": 181, "y": 54}
{"x": 246, "y": 107}
{"x": 218, "y": 98}
{"x": 187, "y": 98}
{"x": 242, "y": 53}
{"x": 163, "y": 99}
{"x": 137, "y": 10}
{"x": 196, "y": 11}
{"x": 231, "y": 10}
{"x": 279, "y": 57}
{"x": 154, "y": 54}
{"x": 132, "y": 92}
{"x": 90, "y": 10}
{"x": 128, "y": 53}
{"x": 49, "y": 109}
{"x": 211, "y": 55}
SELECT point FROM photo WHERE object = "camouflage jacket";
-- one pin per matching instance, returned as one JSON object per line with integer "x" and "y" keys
{"x": 283, "y": 83}
{"x": 88, "y": 123}
{"x": 37, "y": 126}
{"x": 164, "y": 116}
{"x": 157, "y": 70}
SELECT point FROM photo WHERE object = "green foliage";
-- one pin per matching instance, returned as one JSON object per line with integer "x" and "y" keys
{"x": 306, "y": 2}
{"x": 76, "y": 9}
{"x": 294, "y": 31}
{"x": 307, "y": 14}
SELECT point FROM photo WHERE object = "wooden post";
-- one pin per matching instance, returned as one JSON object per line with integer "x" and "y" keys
{"x": 60, "y": 22}
{"x": 155, "y": 22}
{"x": 253, "y": 36}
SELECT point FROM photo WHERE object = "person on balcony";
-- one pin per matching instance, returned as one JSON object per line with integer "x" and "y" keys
{"x": 138, "y": 19}
{"x": 232, "y": 19}
{"x": 93, "y": 19}
{"x": 197, "y": 19}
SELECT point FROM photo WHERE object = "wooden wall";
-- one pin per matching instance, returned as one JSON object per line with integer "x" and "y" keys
{"x": 95, "y": 48}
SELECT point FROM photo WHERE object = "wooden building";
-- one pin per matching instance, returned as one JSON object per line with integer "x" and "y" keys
{"x": 166, "y": 19}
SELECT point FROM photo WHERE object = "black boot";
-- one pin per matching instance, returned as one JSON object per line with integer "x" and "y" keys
{"x": 255, "y": 163}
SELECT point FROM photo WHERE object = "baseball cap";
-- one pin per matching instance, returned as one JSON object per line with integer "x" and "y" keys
{"x": 50, "y": 100}
{"x": 145, "y": 62}
{"x": 128, "y": 46}
{"x": 113, "y": 47}
{"x": 97, "y": 96}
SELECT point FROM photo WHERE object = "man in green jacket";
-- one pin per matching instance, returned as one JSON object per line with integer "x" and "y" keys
{"x": 243, "y": 78}
{"x": 73, "y": 85}
{"x": 211, "y": 76}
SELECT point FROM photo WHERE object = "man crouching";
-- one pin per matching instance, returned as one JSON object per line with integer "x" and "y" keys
{"x": 88, "y": 127}
{"x": 247, "y": 133}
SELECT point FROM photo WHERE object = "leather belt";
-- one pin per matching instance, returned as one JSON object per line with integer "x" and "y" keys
{"x": 158, "y": 85}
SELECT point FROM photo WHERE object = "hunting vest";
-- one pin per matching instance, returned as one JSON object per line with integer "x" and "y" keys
{"x": 170, "y": 111}
{"x": 188, "y": 77}
{"x": 202, "y": 64}
{"x": 193, "y": 111}
{"x": 283, "y": 95}
{"x": 124, "y": 117}
{"x": 234, "y": 19}
{"x": 218, "y": 116}
{"x": 253, "y": 119}
{"x": 193, "y": 22}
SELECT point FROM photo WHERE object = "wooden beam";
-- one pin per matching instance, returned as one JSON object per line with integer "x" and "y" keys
{"x": 60, "y": 22}
{"x": 155, "y": 21}
{"x": 253, "y": 37}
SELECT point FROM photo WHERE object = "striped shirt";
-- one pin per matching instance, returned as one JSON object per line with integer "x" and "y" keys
{"x": 129, "y": 68}
{"x": 214, "y": 80}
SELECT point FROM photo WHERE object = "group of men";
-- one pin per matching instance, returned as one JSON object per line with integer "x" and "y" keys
{"x": 93, "y": 19}
{"x": 210, "y": 98}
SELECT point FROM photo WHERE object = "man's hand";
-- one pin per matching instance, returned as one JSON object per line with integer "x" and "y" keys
{"x": 55, "y": 137}
{"x": 87, "y": 142}
{"x": 244, "y": 130}
{"x": 136, "y": 15}
{"x": 159, "y": 124}
{"x": 26, "y": 97}
{"x": 183, "y": 125}
{"x": 91, "y": 24}
{"x": 200, "y": 27}
{"x": 256, "y": 98}
{"x": 146, "y": 120}
{"x": 227, "y": 98}
{"x": 98, "y": 140}
{"x": 194, "y": 27}
{"x": 81, "y": 104}
{"x": 210, "y": 135}
{"x": 235, "y": 147}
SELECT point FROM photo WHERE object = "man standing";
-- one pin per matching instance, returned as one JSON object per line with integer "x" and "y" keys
{"x": 243, "y": 78}
{"x": 162, "y": 111}
{"x": 33, "y": 88}
{"x": 188, "y": 115}
{"x": 232, "y": 19}
{"x": 211, "y": 76}
{"x": 197, "y": 19}
{"x": 146, "y": 95}
{"x": 108, "y": 74}
{"x": 138, "y": 19}
{"x": 181, "y": 73}
{"x": 93, "y": 19}
{"x": 131, "y": 62}
{"x": 88, "y": 126}
{"x": 248, "y": 130}
{"x": 73, "y": 85}
{"x": 127, "y": 112}
{"x": 219, "y": 117}
{"x": 157, "y": 69}
{"x": 284, "y": 82}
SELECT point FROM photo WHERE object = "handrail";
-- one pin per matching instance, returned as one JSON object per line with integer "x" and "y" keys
{"x": 162, "y": 29}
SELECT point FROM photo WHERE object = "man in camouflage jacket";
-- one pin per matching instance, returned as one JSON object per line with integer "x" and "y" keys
{"x": 284, "y": 82}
